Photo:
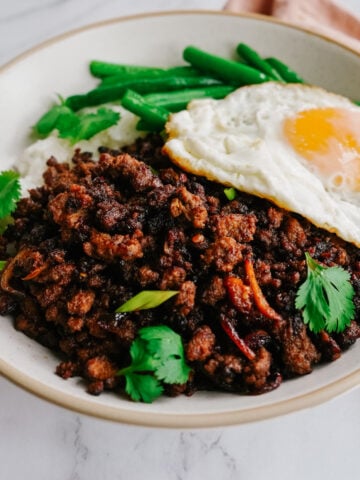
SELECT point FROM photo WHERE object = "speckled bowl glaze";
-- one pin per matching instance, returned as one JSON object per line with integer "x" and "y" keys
{"x": 28, "y": 85}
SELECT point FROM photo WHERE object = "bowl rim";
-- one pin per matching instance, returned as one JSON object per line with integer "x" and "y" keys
{"x": 119, "y": 19}
{"x": 171, "y": 420}
{"x": 180, "y": 421}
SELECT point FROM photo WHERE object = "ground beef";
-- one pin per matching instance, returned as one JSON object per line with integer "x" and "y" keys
{"x": 96, "y": 234}
{"x": 223, "y": 254}
{"x": 201, "y": 345}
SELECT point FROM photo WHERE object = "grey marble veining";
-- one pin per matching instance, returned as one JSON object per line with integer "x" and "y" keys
{"x": 40, "y": 441}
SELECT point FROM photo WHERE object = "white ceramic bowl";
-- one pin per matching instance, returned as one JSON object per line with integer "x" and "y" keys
{"x": 27, "y": 87}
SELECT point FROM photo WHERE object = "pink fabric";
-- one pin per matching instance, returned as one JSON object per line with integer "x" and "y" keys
{"x": 321, "y": 16}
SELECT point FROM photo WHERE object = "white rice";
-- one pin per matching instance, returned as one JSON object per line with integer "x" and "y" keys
{"x": 32, "y": 162}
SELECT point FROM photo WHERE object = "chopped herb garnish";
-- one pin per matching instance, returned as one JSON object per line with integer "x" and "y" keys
{"x": 326, "y": 298}
{"x": 49, "y": 121}
{"x": 87, "y": 124}
{"x": 75, "y": 126}
{"x": 145, "y": 300}
{"x": 157, "y": 357}
{"x": 10, "y": 192}
{"x": 2, "y": 264}
{"x": 230, "y": 193}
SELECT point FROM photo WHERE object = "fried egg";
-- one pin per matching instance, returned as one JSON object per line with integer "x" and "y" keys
{"x": 296, "y": 145}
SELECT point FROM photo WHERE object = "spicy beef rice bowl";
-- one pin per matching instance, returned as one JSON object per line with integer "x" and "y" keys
{"x": 127, "y": 220}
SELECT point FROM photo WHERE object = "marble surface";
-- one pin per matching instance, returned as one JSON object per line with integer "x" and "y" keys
{"x": 42, "y": 441}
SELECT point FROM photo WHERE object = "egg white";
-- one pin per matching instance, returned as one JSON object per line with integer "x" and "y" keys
{"x": 239, "y": 142}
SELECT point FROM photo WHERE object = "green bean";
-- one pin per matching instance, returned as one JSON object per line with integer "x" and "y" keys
{"x": 143, "y": 126}
{"x": 104, "y": 69}
{"x": 255, "y": 60}
{"x": 77, "y": 102}
{"x": 284, "y": 71}
{"x": 115, "y": 92}
{"x": 178, "y": 99}
{"x": 229, "y": 71}
{"x": 184, "y": 71}
{"x": 155, "y": 117}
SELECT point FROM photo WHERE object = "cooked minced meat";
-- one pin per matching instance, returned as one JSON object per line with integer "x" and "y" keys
{"x": 96, "y": 234}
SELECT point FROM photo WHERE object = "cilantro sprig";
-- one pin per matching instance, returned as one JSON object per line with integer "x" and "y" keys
{"x": 157, "y": 357}
{"x": 326, "y": 298}
{"x": 10, "y": 192}
{"x": 75, "y": 126}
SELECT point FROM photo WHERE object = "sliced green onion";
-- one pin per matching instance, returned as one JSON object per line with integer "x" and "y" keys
{"x": 230, "y": 193}
{"x": 145, "y": 300}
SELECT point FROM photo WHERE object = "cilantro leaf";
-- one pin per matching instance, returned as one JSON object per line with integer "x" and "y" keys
{"x": 140, "y": 386}
{"x": 341, "y": 294}
{"x": 173, "y": 371}
{"x": 161, "y": 339}
{"x": 93, "y": 123}
{"x": 49, "y": 121}
{"x": 10, "y": 192}
{"x": 75, "y": 126}
{"x": 141, "y": 360}
{"x": 167, "y": 348}
{"x": 326, "y": 298}
{"x": 2, "y": 264}
{"x": 68, "y": 125}
{"x": 158, "y": 357}
{"x": 144, "y": 388}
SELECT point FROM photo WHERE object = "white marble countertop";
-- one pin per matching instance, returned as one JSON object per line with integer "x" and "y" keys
{"x": 42, "y": 441}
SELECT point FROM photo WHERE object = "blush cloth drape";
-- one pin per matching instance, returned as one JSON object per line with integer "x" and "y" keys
{"x": 322, "y": 16}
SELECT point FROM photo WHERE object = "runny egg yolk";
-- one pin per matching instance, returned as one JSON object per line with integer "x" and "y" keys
{"x": 329, "y": 139}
